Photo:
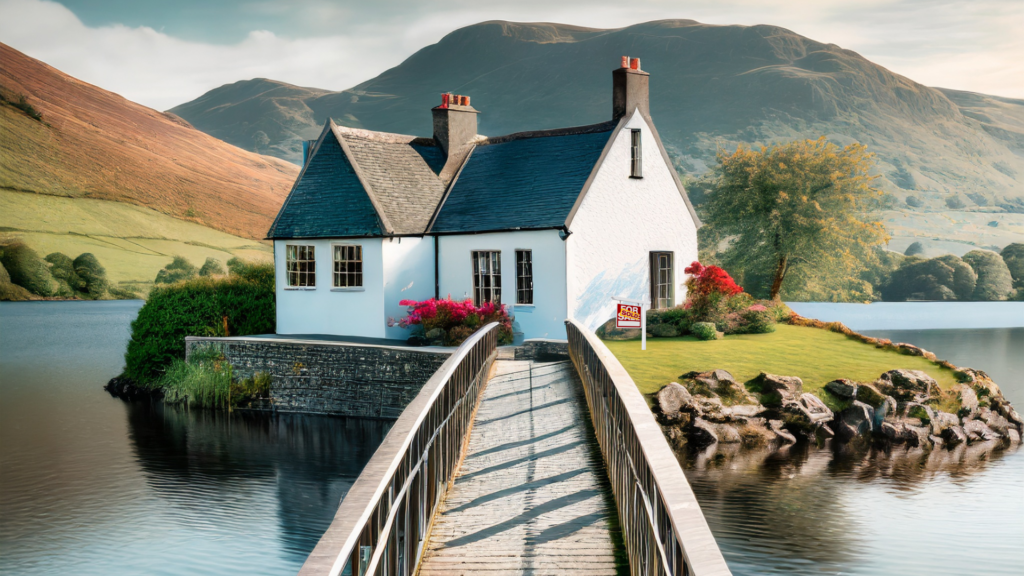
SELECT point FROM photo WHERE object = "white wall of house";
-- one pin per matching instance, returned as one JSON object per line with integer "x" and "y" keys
{"x": 546, "y": 317}
{"x": 408, "y": 275}
{"x": 327, "y": 310}
{"x": 620, "y": 221}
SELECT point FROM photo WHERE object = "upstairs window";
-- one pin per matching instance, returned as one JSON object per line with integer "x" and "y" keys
{"x": 524, "y": 277}
{"x": 486, "y": 276}
{"x": 662, "y": 278}
{"x": 300, "y": 263}
{"x": 348, "y": 266}
{"x": 636, "y": 157}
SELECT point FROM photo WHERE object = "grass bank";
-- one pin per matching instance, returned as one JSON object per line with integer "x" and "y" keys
{"x": 816, "y": 356}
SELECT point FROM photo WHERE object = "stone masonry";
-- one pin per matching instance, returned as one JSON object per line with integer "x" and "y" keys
{"x": 336, "y": 378}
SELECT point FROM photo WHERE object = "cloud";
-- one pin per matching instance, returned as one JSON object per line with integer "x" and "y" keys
{"x": 971, "y": 46}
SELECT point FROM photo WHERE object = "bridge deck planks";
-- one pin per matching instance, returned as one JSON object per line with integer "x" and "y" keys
{"x": 532, "y": 496}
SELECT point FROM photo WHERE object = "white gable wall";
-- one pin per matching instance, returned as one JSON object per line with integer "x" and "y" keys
{"x": 620, "y": 221}
{"x": 546, "y": 318}
{"x": 408, "y": 275}
{"x": 328, "y": 310}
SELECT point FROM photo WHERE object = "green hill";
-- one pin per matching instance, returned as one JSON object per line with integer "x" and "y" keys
{"x": 711, "y": 87}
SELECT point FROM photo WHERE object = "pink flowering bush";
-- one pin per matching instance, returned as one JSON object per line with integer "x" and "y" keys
{"x": 452, "y": 321}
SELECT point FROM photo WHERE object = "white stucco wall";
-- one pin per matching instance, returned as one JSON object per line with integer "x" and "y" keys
{"x": 327, "y": 310}
{"x": 620, "y": 221}
{"x": 408, "y": 274}
{"x": 546, "y": 318}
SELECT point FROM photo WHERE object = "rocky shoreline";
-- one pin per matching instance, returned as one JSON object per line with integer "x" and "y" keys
{"x": 901, "y": 407}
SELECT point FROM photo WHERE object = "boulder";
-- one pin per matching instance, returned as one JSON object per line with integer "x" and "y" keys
{"x": 936, "y": 441}
{"x": 842, "y": 388}
{"x": 911, "y": 350}
{"x": 785, "y": 436}
{"x": 775, "y": 383}
{"x": 844, "y": 431}
{"x": 1003, "y": 407}
{"x": 954, "y": 435}
{"x": 968, "y": 400}
{"x": 710, "y": 408}
{"x": 1013, "y": 436}
{"x": 743, "y": 411}
{"x": 886, "y": 410}
{"x": 908, "y": 384}
{"x": 859, "y": 416}
{"x": 943, "y": 420}
{"x": 755, "y": 434}
{"x": 917, "y": 435}
{"x": 702, "y": 433}
{"x": 673, "y": 399}
{"x": 977, "y": 430}
{"x": 869, "y": 394}
{"x": 722, "y": 375}
{"x": 919, "y": 411}
{"x": 727, "y": 434}
{"x": 823, "y": 432}
{"x": 808, "y": 410}
{"x": 994, "y": 420}
{"x": 900, "y": 432}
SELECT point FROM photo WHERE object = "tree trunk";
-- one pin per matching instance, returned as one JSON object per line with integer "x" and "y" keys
{"x": 780, "y": 274}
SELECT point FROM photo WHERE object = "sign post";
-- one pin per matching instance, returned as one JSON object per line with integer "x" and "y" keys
{"x": 630, "y": 313}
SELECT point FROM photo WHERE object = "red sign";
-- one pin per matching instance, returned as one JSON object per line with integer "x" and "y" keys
{"x": 627, "y": 316}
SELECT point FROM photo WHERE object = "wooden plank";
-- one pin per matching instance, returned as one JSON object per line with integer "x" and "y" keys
{"x": 531, "y": 496}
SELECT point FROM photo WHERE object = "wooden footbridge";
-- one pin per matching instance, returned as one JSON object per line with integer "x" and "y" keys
{"x": 517, "y": 467}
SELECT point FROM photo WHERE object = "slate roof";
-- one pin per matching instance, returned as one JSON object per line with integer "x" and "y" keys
{"x": 363, "y": 183}
{"x": 529, "y": 180}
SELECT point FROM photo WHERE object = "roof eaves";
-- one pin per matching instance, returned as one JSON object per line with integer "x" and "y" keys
{"x": 448, "y": 191}
{"x": 385, "y": 224}
{"x": 593, "y": 172}
{"x": 302, "y": 172}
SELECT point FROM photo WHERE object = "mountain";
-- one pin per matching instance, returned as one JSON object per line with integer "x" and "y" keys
{"x": 711, "y": 88}
{"x": 91, "y": 143}
{"x": 85, "y": 170}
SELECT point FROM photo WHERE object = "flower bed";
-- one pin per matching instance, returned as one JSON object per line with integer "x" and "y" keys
{"x": 447, "y": 322}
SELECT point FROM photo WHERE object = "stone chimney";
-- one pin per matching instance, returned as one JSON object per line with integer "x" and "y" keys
{"x": 454, "y": 131}
{"x": 629, "y": 89}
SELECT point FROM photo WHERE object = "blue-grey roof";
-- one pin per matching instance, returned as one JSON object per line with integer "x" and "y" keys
{"x": 528, "y": 181}
{"x": 328, "y": 201}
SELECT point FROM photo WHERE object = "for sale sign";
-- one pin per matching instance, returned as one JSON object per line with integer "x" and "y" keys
{"x": 627, "y": 316}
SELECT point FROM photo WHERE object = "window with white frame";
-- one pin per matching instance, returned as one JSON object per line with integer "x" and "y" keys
{"x": 300, "y": 264}
{"x": 486, "y": 276}
{"x": 662, "y": 293}
{"x": 636, "y": 157}
{"x": 524, "y": 277}
{"x": 348, "y": 266}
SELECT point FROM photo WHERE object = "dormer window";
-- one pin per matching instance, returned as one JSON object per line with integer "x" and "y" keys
{"x": 636, "y": 158}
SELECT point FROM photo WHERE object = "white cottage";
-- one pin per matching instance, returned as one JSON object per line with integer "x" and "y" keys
{"x": 551, "y": 223}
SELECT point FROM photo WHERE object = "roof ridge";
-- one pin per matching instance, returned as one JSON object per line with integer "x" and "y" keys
{"x": 606, "y": 126}
{"x": 385, "y": 137}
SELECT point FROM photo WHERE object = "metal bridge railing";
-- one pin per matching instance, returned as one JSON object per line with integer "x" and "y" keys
{"x": 384, "y": 519}
{"x": 662, "y": 525}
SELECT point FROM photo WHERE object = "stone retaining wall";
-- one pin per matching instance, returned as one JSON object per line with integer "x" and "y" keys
{"x": 336, "y": 378}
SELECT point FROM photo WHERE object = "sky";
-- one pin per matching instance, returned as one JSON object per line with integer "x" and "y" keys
{"x": 164, "y": 53}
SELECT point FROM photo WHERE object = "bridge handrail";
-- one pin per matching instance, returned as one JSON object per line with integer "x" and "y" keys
{"x": 664, "y": 530}
{"x": 409, "y": 474}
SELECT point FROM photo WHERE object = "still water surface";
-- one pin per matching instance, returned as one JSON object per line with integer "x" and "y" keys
{"x": 815, "y": 511}
{"x": 92, "y": 485}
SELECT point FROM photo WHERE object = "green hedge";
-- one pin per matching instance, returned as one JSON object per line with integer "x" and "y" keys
{"x": 27, "y": 269}
{"x": 196, "y": 308}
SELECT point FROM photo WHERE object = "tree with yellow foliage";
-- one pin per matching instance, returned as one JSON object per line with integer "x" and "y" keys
{"x": 795, "y": 211}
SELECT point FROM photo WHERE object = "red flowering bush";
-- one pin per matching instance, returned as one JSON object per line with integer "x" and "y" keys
{"x": 450, "y": 322}
{"x": 707, "y": 290}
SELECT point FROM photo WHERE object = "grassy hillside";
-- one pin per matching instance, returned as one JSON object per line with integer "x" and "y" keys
{"x": 133, "y": 243}
{"x": 711, "y": 87}
{"x": 90, "y": 143}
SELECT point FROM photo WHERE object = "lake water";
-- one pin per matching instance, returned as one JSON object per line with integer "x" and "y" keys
{"x": 812, "y": 511}
{"x": 92, "y": 485}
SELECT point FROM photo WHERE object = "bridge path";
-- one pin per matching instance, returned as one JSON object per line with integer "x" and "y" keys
{"x": 531, "y": 496}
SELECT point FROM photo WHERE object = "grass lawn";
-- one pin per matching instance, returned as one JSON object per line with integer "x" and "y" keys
{"x": 816, "y": 356}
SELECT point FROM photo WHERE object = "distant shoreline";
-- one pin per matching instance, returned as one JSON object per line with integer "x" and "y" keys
{"x": 916, "y": 315}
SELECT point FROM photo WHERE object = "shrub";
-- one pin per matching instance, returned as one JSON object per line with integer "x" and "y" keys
{"x": 955, "y": 202}
{"x": 194, "y": 308}
{"x": 707, "y": 287}
{"x": 1013, "y": 255}
{"x": 994, "y": 279}
{"x": 203, "y": 383}
{"x": 664, "y": 331}
{"x": 211, "y": 267}
{"x": 89, "y": 269}
{"x": 453, "y": 321}
{"x": 11, "y": 292}
{"x": 261, "y": 273}
{"x": 28, "y": 270}
{"x": 122, "y": 292}
{"x": 946, "y": 277}
{"x": 758, "y": 320}
{"x": 179, "y": 269}
{"x": 62, "y": 267}
{"x": 704, "y": 331}
{"x": 914, "y": 202}
{"x": 914, "y": 249}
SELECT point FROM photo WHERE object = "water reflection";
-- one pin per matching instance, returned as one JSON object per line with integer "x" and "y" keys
{"x": 862, "y": 510}
{"x": 207, "y": 462}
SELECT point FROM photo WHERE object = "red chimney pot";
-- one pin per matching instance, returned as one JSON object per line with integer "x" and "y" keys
{"x": 634, "y": 63}
{"x": 625, "y": 62}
